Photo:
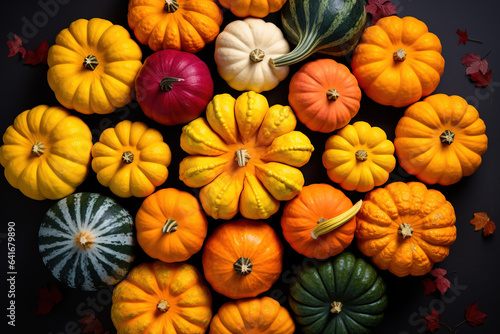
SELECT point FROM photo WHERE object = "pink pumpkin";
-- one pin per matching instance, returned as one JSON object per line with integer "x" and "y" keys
{"x": 173, "y": 87}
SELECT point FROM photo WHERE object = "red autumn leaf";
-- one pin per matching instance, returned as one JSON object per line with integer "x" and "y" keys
{"x": 15, "y": 47}
{"x": 474, "y": 63}
{"x": 438, "y": 272}
{"x": 463, "y": 36}
{"x": 482, "y": 80}
{"x": 442, "y": 284}
{"x": 481, "y": 219}
{"x": 379, "y": 9}
{"x": 92, "y": 324}
{"x": 48, "y": 298}
{"x": 474, "y": 316}
{"x": 429, "y": 286}
{"x": 39, "y": 55}
{"x": 432, "y": 321}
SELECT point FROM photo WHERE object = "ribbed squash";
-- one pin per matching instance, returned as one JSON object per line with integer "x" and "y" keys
{"x": 255, "y": 8}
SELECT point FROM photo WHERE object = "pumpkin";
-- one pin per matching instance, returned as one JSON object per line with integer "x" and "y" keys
{"x": 440, "y": 139}
{"x": 242, "y": 53}
{"x": 171, "y": 225}
{"x": 406, "y": 228}
{"x": 93, "y": 65}
{"x": 185, "y": 25}
{"x": 162, "y": 298}
{"x": 256, "y": 315}
{"x": 255, "y": 8}
{"x": 242, "y": 156}
{"x": 46, "y": 152}
{"x": 242, "y": 258}
{"x": 131, "y": 159}
{"x": 398, "y": 61}
{"x": 87, "y": 241}
{"x": 319, "y": 222}
{"x": 324, "y": 95}
{"x": 359, "y": 157}
{"x": 342, "y": 295}
{"x": 319, "y": 26}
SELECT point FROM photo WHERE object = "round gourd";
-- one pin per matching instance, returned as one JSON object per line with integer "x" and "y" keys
{"x": 319, "y": 222}
{"x": 162, "y": 298}
{"x": 398, "y": 61}
{"x": 255, "y": 8}
{"x": 46, "y": 152}
{"x": 256, "y": 315}
{"x": 242, "y": 258}
{"x": 87, "y": 241}
{"x": 440, "y": 139}
{"x": 342, "y": 295}
{"x": 324, "y": 95}
{"x": 242, "y": 156}
{"x": 171, "y": 225}
{"x": 173, "y": 87}
{"x": 131, "y": 159}
{"x": 406, "y": 228}
{"x": 242, "y": 53}
{"x": 93, "y": 65}
{"x": 359, "y": 157}
{"x": 185, "y": 25}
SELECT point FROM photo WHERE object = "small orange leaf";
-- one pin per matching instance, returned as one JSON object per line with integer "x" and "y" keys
{"x": 482, "y": 221}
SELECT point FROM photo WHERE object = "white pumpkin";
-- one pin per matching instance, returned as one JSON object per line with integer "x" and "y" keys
{"x": 242, "y": 53}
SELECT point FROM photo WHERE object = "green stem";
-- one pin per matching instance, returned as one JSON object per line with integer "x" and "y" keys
{"x": 304, "y": 49}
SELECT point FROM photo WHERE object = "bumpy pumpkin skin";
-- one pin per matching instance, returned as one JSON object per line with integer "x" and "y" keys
{"x": 359, "y": 157}
{"x": 324, "y": 95}
{"x": 255, "y": 8}
{"x": 171, "y": 225}
{"x": 265, "y": 176}
{"x": 406, "y": 228}
{"x": 256, "y": 315}
{"x": 46, "y": 152}
{"x": 425, "y": 148}
{"x": 185, "y": 25}
{"x": 106, "y": 82}
{"x": 396, "y": 79}
{"x": 131, "y": 159}
{"x": 162, "y": 298}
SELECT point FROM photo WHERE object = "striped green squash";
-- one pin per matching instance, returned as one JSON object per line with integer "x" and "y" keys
{"x": 87, "y": 241}
{"x": 333, "y": 27}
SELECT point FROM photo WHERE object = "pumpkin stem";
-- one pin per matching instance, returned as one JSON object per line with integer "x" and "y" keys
{"x": 336, "y": 307}
{"x": 332, "y": 94}
{"x": 327, "y": 225}
{"x": 405, "y": 230}
{"x": 243, "y": 266}
{"x": 38, "y": 149}
{"x": 128, "y": 157}
{"x": 257, "y": 55}
{"x": 171, "y": 5}
{"x": 170, "y": 226}
{"x": 361, "y": 155}
{"x": 447, "y": 137}
{"x": 167, "y": 83}
{"x": 163, "y": 305}
{"x": 84, "y": 240}
{"x": 90, "y": 62}
{"x": 399, "y": 55}
{"x": 242, "y": 157}
{"x": 301, "y": 51}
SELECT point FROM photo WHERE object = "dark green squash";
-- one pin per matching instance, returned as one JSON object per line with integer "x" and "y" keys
{"x": 333, "y": 27}
{"x": 342, "y": 295}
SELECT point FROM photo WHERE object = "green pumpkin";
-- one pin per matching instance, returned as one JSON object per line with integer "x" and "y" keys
{"x": 87, "y": 241}
{"x": 333, "y": 27}
{"x": 342, "y": 295}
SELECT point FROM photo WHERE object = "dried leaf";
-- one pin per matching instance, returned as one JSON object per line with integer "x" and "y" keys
{"x": 48, "y": 298}
{"x": 474, "y": 63}
{"x": 432, "y": 321}
{"x": 463, "y": 36}
{"x": 442, "y": 284}
{"x": 429, "y": 286}
{"x": 39, "y": 55}
{"x": 482, "y": 80}
{"x": 474, "y": 316}
{"x": 92, "y": 324}
{"x": 379, "y": 9}
{"x": 482, "y": 221}
{"x": 438, "y": 272}
{"x": 15, "y": 47}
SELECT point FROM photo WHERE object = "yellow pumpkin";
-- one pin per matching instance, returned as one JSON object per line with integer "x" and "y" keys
{"x": 131, "y": 159}
{"x": 255, "y": 8}
{"x": 242, "y": 156}
{"x": 46, "y": 152}
{"x": 93, "y": 65}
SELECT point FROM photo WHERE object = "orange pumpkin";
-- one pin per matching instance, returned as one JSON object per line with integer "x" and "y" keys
{"x": 256, "y": 315}
{"x": 319, "y": 222}
{"x": 242, "y": 258}
{"x": 406, "y": 228}
{"x": 255, "y": 8}
{"x": 398, "y": 61}
{"x": 185, "y": 25}
{"x": 171, "y": 225}
{"x": 324, "y": 95}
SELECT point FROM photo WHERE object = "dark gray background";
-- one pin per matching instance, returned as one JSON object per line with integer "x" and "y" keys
{"x": 473, "y": 262}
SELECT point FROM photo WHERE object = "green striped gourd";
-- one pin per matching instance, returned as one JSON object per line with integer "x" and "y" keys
{"x": 87, "y": 241}
{"x": 333, "y": 27}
